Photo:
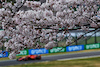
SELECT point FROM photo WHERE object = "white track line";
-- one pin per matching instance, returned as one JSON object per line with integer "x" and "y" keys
{"x": 78, "y": 58}
{"x": 71, "y": 53}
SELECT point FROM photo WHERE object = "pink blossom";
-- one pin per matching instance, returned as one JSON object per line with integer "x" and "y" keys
{"x": 41, "y": 22}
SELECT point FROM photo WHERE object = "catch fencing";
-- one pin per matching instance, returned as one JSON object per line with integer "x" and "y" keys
{"x": 53, "y": 50}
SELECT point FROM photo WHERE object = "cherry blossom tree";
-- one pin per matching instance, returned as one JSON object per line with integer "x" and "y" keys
{"x": 43, "y": 21}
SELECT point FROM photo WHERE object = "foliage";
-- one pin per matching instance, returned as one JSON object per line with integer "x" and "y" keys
{"x": 43, "y": 22}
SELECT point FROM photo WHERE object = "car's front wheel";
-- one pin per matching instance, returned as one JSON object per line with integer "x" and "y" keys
{"x": 18, "y": 58}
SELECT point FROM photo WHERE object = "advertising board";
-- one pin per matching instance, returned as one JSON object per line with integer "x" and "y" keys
{"x": 23, "y": 52}
{"x": 3, "y": 54}
{"x": 92, "y": 46}
{"x": 38, "y": 51}
{"x": 57, "y": 49}
{"x": 75, "y": 48}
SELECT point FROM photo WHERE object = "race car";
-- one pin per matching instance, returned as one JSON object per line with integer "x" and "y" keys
{"x": 29, "y": 57}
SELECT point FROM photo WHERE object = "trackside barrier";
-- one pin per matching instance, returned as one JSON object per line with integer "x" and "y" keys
{"x": 54, "y": 50}
{"x": 57, "y": 49}
{"x": 38, "y": 51}
{"x": 4, "y": 54}
{"x": 23, "y": 52}
{"x": 92, "y": 46}
{"x": 74, "y": 48}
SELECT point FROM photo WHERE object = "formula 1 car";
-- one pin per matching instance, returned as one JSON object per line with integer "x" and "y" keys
{"x": 29, "y": 57}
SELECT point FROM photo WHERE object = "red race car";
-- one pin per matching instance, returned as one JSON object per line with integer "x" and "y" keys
{"x": 29, "y": 57}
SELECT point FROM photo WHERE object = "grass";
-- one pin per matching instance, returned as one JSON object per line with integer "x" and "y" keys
{"x": 57, "y": 53}
{"x": 91, "y": 40}
{"x": 90, "y": 62}
{"x": 81, "y": 41}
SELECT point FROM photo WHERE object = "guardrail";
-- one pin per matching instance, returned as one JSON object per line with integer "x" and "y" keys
{"x": 53, "y": 50}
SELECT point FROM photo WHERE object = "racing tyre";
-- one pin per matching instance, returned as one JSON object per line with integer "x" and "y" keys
{"x": 38, "y": 57}
{"x": 26, "y": 59}
{"x": 18, "y": 58}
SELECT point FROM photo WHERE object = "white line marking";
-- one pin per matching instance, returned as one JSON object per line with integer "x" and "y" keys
{"x": 42, "y": 61}
{"x": 71, "y": 53}
{"x": 7, "y": 60}
{"x": 78, "y": 58}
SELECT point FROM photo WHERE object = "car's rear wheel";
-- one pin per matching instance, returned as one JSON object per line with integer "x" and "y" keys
{"x": 26, "y": 59}
{"x": 38, "y": 57}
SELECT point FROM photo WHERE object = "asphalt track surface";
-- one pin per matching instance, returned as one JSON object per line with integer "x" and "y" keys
{"x": 51, "y": 58}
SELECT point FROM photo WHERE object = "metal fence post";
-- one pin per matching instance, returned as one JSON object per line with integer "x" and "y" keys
{"x": 76, "y": 38}
{"x": 95, "y": 38}
{"x": 85, "y": 38}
